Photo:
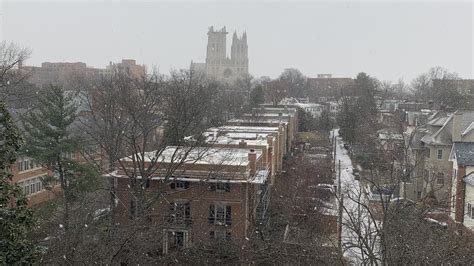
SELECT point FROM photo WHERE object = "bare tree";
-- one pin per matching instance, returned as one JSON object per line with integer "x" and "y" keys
{"x": 12, "y": 78}
{"x": 275, "y": 91}
{"x": 295, "y": 81}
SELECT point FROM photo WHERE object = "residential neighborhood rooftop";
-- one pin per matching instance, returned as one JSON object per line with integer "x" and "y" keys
{"x": 200, "y": 156}
{"x": 463, "y": 152}
{"x": 469, "y": 179}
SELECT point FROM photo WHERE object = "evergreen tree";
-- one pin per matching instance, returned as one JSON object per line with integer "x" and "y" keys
{"x": 366, "y": 89}
{"x": 346, "y": 120}
{"x": 16, "y": 219}
{"x": 324, "y": 121}
{"x": 357, "y": 117}
{"x": 257, "y": 96}
{"x": 50, "y": 142}
{"x": 306, "y": 122}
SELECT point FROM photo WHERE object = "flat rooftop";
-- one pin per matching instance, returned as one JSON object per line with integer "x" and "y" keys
{"x": 259, "y": 141}
{"x": 200, "y": 156}
{"x": 246, "y": 129}
{"x": 261, "y": 119}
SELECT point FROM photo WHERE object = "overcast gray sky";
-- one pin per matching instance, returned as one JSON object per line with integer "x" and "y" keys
{"x": 389, "y": 40}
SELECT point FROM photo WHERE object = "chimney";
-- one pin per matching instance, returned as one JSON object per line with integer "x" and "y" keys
{"x": 280, "y": 116}
{"x": 242, "y": 144}
{"x": 457, "y": 124}
{"x": 252, "y": 162}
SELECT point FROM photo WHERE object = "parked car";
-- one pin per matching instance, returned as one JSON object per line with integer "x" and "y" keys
{"x": 377, "y": 194}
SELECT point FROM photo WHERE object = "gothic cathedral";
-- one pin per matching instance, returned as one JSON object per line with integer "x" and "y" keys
{"x": 218, "y": 64}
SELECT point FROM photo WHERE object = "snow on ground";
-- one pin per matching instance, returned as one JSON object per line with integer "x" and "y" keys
{"x": 350, "y": 189}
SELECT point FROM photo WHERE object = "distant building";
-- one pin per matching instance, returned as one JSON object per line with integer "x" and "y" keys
{"x": 315, "y": 109}
{"x": 218, "y": 64}
{"x": 324, "y": 85}
{"x": 128, "y": 66}
{"x": 64, "y": 73}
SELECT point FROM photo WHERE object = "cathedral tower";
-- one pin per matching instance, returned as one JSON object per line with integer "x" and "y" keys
{"x": 239, "y": 54}
{"x": 216, "y": 50}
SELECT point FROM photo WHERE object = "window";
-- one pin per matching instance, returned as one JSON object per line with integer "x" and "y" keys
{"x": 440, "y": 154}
{"x": 219, "y": 235}
{"x": 427, "y": 153}
{"x": 174, "y": 239}
{"x": 177, "y": 239}
{"x": 32, "y": 186}
{"x": 220, "y": 187}
{"x": 180, "y": 213}
{"x": 26, "y": 164}
{"x": 69, "y": 155}
{"x": 146, "y": 183}
{"x": 440, "y": 179}
{"x": 426, "y": 175}
{"x": 220, "y": 214}
{"x": 179, "y": 184}
{"x": 418, "y": 195}
{"x": 470, "y": 211}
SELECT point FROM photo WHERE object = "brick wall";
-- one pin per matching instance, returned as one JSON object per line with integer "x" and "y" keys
{"x": 200, "y": 197}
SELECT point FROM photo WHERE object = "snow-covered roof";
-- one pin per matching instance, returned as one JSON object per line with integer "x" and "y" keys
{"x": 259, "y": 178}
{"x": 468, "y": 129}
{"x": 259, "y": 119}
{"x": 384, "y": 134}
{"x": 245, "y": 136}
{"x": 266, "y": 115}
{"x": 469, "y": 179}
{"x": 441, "y": 136}
{"x": 309, "y": 105}
{"x": 200, "y": 156}
{"x": 466, "y": 121}
{"x": 272, "y": 109}
{"x": 463, "y": 153}
{"x": 438, "y": 121}
{"x": 235, "y": 138}
{"x": 243, "y": 129}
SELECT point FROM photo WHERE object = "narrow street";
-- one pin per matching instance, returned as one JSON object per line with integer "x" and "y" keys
{"x": 350, "y": 190}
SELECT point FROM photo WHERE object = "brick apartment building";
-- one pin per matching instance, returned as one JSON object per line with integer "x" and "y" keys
{"x": 223, "y": 194}
{"x": 264, "y": 142}
{"x": 216, "y": 194}
{"x": 28, "y": 175}
{"x": 272, "y": 117}
{"x": 249, "y": 133}
{"x": 324, "y": 85}
{"x": 65, "y": 73}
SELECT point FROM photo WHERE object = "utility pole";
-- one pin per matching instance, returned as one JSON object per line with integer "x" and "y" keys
{"x": 334, "y": 143}
{"x": 341, "y": 200}
{"x": 339, "y": 179}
